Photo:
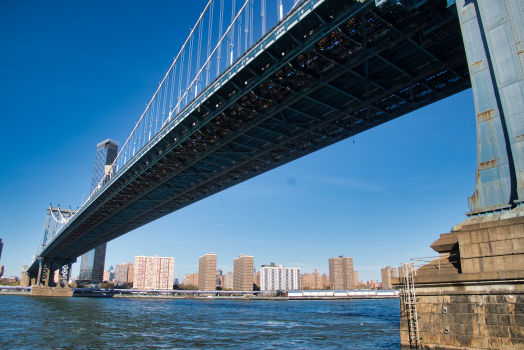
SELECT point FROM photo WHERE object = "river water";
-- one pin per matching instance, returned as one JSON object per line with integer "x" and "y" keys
{"x": 120, "y": 323}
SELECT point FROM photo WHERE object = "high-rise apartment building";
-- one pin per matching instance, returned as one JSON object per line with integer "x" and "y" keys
{"x": 154, "y": 273}
{"x": 92, "y": 263}
{"x": 278, "y": 277}
{"x": 1, "y": 270}
{"x": 355, "y": 278}
{"x": 106, "y": 276}
{"x": 387, "y": 274}
{"x": 207, "y": 267}
{"x": 1, "y": 247}
{"x": 243, "y": 273}
{"x": 341, "y": 273}
{"x": 124, "y": 274}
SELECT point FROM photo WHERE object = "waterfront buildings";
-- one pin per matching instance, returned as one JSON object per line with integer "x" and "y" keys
{"x": 191, "y": 279}
{"x": 243, "y": 273}
{"x": 124, "y": 274}
{"x": 314, "y": 281}
{"x": 219, "y": 277}
{"x": 207, "y": 266}
{"x": 355, "y": 278}
{"x": 154, "y": 272}
{"x": 341, "y": 274}
{"x": 111, "y": 273}
{"x": 387, "y": 274}
{"x": 278, "y": 277}
{"x": 256, "y": 281}
{"x": 92, "y": 263}
{"x": 106, "y": 276}
{"x": 227, "y": 281}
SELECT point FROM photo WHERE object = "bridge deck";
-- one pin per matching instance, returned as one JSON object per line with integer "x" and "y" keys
{"x": 324, "y": 74}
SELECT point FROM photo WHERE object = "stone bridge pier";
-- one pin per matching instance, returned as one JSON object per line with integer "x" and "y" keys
{"x": 472, "y": 296}
{"x": 45, "y": 283}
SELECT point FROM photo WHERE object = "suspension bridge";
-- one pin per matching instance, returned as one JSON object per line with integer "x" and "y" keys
{"x": 245, "y": 95}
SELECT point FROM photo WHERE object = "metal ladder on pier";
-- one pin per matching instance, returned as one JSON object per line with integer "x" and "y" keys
{"x": 410, "y": 303}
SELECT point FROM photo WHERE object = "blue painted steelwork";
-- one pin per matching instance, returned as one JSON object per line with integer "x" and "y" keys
{"x": 56, "y": 218}
{"x": 493, "y": 33}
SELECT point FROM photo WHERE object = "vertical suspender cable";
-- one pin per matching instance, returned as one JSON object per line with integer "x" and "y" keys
{"x": 246, "y": 26}
{"x": 263, "y": 15}
{"x": 220, "y": 36}
{"x": 171, "y": 93}
{"x": 180, "y": 77}
{"x": 209, "y": 33}
{"x": 232, "y": 33}
{"x": 199, "y": 52}
{"x": 166, "y": 88}
{"x": 251, "y": 23}
{"x": 239, "y": 40}
{"x": 189, "y": 59}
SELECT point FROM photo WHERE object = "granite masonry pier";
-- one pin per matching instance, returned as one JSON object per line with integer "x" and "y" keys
{"x": 37, "y": 291}
{"x": 472, "y": 297}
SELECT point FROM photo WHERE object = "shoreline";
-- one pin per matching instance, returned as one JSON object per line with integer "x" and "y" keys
{"x": 163, "y": 297}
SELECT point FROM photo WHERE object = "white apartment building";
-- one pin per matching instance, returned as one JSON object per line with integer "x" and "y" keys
{"x": 154, "y": 272}
{"x": 279, "y": 278}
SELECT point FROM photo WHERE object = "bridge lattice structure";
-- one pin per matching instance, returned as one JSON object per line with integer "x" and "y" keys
{"x": 237, "y": 102}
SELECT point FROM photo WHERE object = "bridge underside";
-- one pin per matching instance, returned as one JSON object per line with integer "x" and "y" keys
{"x": 342, "y": 68}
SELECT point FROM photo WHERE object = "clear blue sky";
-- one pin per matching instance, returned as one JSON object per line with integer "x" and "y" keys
{"x": 76, "y": 73}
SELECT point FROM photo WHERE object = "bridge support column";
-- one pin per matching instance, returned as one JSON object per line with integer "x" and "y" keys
{"x": 46, "y": 271}
{"x": 493, "y": 37}
{"x": 51, "y": 288}
{"x": 39, "y": 278}
{"x": 472, "y": 296}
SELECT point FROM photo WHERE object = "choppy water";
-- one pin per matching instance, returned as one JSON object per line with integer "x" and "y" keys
{"x": 99, "y": 323}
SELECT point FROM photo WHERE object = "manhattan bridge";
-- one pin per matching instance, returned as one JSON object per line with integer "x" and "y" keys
{"x": 245, "y": 95}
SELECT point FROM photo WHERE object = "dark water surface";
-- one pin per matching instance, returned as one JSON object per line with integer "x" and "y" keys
{"x": 118, "y": 323}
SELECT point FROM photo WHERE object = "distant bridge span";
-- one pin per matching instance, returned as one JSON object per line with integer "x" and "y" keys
{"x": 329, "y": 70}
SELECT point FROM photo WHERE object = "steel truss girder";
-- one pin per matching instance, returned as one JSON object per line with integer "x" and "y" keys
{"x": 253, "y": 159}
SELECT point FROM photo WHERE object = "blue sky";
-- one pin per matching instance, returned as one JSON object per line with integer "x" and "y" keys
{"x": 76, "y": 73}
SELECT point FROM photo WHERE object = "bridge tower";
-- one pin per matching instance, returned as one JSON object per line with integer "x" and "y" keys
{"x": 493, "y": 33}
{"x": 42, "y": 279}
{"x": 470, "y": 297}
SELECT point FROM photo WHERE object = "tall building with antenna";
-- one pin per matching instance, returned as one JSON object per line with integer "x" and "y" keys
{"x": 92, "y": 263}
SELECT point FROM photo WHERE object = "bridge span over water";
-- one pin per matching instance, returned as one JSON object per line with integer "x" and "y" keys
{"x": 328, "y": 70}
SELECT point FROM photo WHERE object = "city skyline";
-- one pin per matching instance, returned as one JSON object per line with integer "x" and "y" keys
{"x": 382, "y": 199}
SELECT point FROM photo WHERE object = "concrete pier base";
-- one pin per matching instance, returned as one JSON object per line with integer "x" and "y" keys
{"x": 472, "y": 297}
{"x": 64, "y": 292}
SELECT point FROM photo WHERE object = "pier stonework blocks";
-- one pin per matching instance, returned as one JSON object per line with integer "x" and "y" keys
{"x": 471, "y": 297}
{"x": 37, "y": 291}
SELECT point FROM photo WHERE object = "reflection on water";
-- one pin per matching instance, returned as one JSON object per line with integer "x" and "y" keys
{"x": 89, "y": 323}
